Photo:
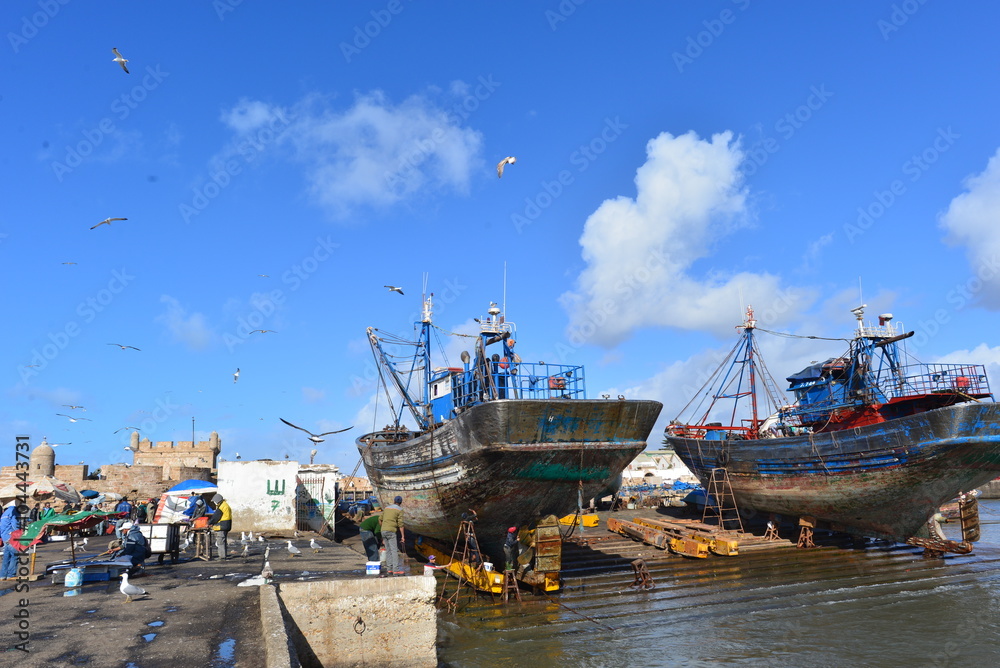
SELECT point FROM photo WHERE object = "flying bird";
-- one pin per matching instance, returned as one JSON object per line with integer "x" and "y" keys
{"x": 69, "y": 262}
{"x": 123, "y": 347}
{"x": 120, "y": 59}
{"x": 263, "y": 276}
{"x": 74, "y": 419}
{"x": 130, "y": 590}
{"x": 316, "y": 547}
{"x": 263, "y": 331}
{"x": 294, "y": 551}
{"x": 74, "y": 407}
{"x": 236, "y": 376}
{"x": 393, "y": 288}
{"x": 106, "y": 221}
{"x": 56, "y": 445}
{"x": 509, "y": 160}
{"x": 124, "y": 428}
{"x": 315, "y": 438}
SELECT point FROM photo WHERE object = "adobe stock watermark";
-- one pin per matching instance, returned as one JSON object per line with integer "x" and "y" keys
{"x": 30, "y": 25}
{"x": 370, "y": 30}
{"x": 248, "y": 148}
{"x": 898, "y": 17}
{"x": 421, "y": 149}
{"x": 87, "y": 311}
{"x": 266, "y": 305}
{"x": 443, "y": 299}
{"x": 914, "y": 168}
{"x": 698, "y": 43}
{"x": 223, "y": 7}
{"x": 761, "y": 151}
{"x": 122, "y": 107}
{"x": 582, "y": 158}
{"x": 562, "y": 12}
{"x": 961, "y": 295}
{"x": 22, "y": 569}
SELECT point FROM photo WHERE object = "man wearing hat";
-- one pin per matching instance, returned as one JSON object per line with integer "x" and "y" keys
{"x": 222, "y": 522}
{"x": 135, "y": 547}
{"x": 392, "y": 519}
{"x": 9, "y": 524}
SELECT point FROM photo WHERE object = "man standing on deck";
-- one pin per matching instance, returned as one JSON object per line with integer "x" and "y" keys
{"x": 392, "y": 519}
{"x": 370, "y": 528}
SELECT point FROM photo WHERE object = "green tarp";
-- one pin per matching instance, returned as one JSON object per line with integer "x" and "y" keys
{"x": 34, "y": 532}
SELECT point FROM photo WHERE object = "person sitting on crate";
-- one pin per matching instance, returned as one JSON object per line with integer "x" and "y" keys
{"x": 135, "y": 548}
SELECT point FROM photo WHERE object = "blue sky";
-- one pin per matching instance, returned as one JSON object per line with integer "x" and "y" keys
{"x": 279, "y": 164}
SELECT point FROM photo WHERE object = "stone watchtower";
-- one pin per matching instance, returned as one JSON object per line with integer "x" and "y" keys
{"x": 42, "y": 461}
{"x": 174, "y": 457}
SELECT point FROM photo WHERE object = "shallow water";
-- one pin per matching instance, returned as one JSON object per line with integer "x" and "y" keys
{"x": 881, "y": 606}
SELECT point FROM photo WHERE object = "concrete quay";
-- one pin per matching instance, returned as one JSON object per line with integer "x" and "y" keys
{"x": 195, "y": 614}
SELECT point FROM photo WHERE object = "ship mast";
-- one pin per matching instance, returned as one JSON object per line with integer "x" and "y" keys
{"x": 748, "y": 326}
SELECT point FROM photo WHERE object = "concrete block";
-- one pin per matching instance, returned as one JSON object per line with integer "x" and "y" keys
{"x": 363, "y": 622}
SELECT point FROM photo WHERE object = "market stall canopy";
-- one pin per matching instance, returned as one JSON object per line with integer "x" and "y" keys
{"x": 11, "y": 491}
{"x": 33, "y": 533}
{"x": 189, "y": 487}
{"x": 48, "y": 486}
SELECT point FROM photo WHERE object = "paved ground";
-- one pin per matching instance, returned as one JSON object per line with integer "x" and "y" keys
{"x": 195, "y": 614}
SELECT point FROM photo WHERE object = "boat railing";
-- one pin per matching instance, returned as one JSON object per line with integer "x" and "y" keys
{"x": 917, "y": 379}
{"x": 521, "y": 380}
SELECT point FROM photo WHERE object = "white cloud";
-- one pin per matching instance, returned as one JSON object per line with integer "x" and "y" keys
{"x": 311, "y": 395}
{"x": 639, "y": 252}
{"x": 249, "y": 115}
{"x": 192, "y": 329}
{"x": 377, "y": 153}
{"x": 971, "y": 220}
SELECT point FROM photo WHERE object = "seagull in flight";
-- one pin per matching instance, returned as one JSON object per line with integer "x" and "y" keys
{"x": 69, "y": 262}
{"x": 123, "y": 347}
{"x": 106, "y": 221}
{"x": 315, "y": 438}
{"x": 393, "y": 288}
{"x": 56, "y": 445}
{"x": 509, "y": 160}
{"x": 74, "y": 419}
{"x": 263, "y": 331}
{"x": 74, "y": 407}
{"x": 236, "y": 376}
{"x": 263, "y": 276}
{"x": 120, "y": 59}
{"x": 124, "y": 428}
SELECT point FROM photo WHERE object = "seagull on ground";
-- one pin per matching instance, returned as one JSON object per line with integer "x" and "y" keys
{"x": 296, "y": 534}
{"x": 294, "y": 551}
{"x": 316, "y": 547}
{"x": 106, "y": 221}
{"x": 315, "y": 438}
{"x": 130, "y": 590}
{"x": 267, "y": 573}
{"x": 73, "y": 419}
{"x": 124, "y": 347}
{"x": 78, "y": 547}
{"x": 246, "y": 551}
{"x": 236, "y": 376}
{"x": 120, "y": 59}
{"x": 260, "y": 538}
{"x": 509, "y": 160}
{"x": 393, "y": 288}
{"x": 187, "y": 544}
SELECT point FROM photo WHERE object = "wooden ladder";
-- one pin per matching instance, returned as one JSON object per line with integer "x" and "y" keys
{"x": 719, "y": 500}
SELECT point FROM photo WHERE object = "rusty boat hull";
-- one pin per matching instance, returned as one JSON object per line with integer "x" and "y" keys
{"x": 884, "y": 480}
{"x": 512, "y": 461}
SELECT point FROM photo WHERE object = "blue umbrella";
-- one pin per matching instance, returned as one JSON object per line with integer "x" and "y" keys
{"x": 89, "y": 494}
{"x": 186, "y": 485}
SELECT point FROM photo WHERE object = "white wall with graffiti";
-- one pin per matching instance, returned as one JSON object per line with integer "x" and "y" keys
{"x": 261, "y": 493}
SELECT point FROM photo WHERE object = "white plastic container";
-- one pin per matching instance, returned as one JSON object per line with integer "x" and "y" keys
{"x": 381, "y": 555}
{"x": 372, "y": 567}
{"x": 74, "y": 578}
{"x": 487, "y": 566}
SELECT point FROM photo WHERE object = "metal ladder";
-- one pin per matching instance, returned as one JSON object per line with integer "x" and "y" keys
{"x": 719, "y": 500}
